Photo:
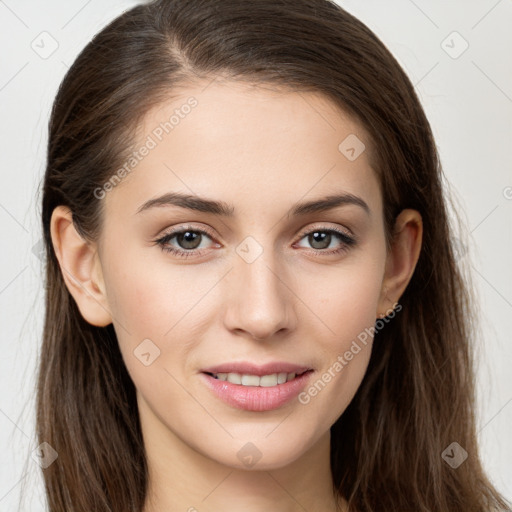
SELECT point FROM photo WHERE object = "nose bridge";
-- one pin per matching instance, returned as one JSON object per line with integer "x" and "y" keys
{"x": 261, "y": 302}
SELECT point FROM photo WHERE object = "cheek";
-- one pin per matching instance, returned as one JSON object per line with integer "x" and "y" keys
{"x": 168, "y": 305}
{"x": 148, "y": 300}
{"x": 346, "y": 303}
{"x": 345, "y": 351}
{"x": 346, "y": 300}
{"x": 150, "y": 312}
{"x": 351, "y": 306}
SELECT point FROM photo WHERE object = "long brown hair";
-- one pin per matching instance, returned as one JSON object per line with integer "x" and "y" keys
{"x": 417, "y": 396}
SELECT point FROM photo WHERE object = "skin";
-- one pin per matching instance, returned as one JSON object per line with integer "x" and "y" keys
{"x": 261, "y": 150}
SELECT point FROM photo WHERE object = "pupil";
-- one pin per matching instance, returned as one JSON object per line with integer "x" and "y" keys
{"x": 323, "y": 237}
{"x": 187, "y": 238}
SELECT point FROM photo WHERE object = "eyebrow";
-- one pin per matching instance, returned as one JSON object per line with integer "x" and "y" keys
{"x": 220, "y": 208}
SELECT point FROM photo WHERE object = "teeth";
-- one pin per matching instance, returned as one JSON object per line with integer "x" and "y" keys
{"x": 255, "y": 380}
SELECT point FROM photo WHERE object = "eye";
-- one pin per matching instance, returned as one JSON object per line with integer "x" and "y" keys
{"x": 189, "y": 241}
{"x": 188, "y": 238}
{"x": 321, "y": 239}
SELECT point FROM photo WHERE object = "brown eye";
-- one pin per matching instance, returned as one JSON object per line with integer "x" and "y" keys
{"x": 187, "y": 243}
{"x": 188, "y": 239}
{"x": 321, "y": 239}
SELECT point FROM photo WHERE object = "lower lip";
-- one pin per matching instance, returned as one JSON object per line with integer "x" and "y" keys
{"x": 257, "y": 398}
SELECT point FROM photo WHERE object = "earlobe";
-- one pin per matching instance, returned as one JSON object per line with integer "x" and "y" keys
{"x": 80, "y": 267}
{"x": 401, "y": 260}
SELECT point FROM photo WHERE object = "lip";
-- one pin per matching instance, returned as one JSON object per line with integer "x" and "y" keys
{"x": 256, "y": 398}
{"x": 245, "y": 367}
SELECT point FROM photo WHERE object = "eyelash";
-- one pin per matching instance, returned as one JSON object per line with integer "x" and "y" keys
{"x": 347, "y": 241}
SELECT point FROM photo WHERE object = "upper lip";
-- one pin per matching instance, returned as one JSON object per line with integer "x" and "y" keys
{"x": 244, "y": 367}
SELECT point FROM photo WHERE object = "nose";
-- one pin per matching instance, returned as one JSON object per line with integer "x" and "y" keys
{"x": 261, "y": 300}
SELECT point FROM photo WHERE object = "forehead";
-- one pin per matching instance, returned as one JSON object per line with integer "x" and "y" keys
{"x": 251, "y": 118}
{"x": 254, "y": 146}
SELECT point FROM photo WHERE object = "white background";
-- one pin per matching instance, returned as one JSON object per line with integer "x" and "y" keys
{"x": 468, "y": 101}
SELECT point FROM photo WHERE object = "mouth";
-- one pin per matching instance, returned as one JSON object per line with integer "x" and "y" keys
{"x": 244, "y": 379}
{"x": 257, "y": 393}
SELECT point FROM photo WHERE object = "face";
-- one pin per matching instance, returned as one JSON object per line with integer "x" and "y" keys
{"x": 190, "y": 289}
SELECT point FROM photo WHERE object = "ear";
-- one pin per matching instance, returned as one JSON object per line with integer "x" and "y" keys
{"x": 401, "y": 260}
{"x": 80, "y": 267}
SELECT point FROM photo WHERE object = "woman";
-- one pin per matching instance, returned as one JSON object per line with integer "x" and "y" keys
{"x": 252, "y": 297}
